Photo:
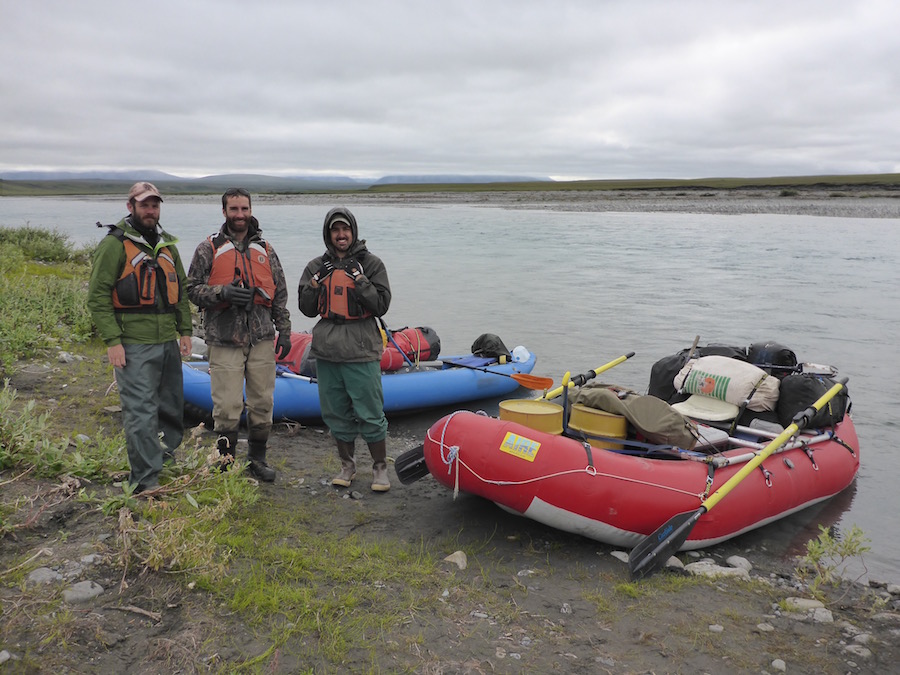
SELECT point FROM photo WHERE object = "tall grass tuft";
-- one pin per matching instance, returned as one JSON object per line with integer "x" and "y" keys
{"x": 43, "y": 293}
{"x": 25, "y": 441}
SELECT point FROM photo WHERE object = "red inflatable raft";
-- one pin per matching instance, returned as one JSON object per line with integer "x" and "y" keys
{"x": 620, "y": 498}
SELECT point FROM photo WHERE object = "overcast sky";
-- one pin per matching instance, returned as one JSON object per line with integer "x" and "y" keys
{"x": 566, "y": 89}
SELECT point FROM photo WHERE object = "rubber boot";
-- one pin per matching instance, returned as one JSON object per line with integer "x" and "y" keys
{"x": 258, "y": 466}
{"x": 226, "y": 445}
{"x": 378, "y": 450}
{"x": 348, "y": 464}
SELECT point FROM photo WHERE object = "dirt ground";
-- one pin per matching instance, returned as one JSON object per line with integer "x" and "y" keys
{"x": 557, "y": 602}
{"x": 566, "y": 599}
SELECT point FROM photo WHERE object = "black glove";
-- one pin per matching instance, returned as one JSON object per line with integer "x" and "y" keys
{"x": 282, "y": 346}
{"x": 352, "y": 267}
{"x": 237, "y": 296}
{"x": 326, "y": 269}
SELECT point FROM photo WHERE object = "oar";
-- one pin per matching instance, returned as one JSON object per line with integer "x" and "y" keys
{"x": 528, "y": 381}
{"x": 693, "y": 348}
{"x": 284, "y": 371}
{"x": 393, "y": 342}
{"x": 656, "y": 549}
{"x": 579, "y": 380}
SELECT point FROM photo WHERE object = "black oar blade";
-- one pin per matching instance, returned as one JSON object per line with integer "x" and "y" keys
{"x": 652, "y": 553}
{"x": 411, "y": 466}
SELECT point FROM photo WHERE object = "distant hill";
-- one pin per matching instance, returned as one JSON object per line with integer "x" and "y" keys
{"x": 132, "y": 176}
{"x": 264, "y": 183}
{"x": 214, "y": 182}
{"x": 58, "y": 183}
{"x": 457, "y": 178}
{"x": 260, "y": 180}
{"x": 112, "y": 182}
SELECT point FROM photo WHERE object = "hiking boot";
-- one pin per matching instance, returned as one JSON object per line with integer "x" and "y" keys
{"x": 348, "y": 464}
{"x": 258, "y": 466}
{"x": 380, "y": 481}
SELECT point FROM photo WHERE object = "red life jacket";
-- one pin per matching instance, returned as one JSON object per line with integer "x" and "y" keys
{"x": 250, "y": 267}
{"x": 337, "y": 298}
{"x": 144, "y": 278}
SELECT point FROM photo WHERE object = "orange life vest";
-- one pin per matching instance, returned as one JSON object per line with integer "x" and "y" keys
{"x": 337, "y": 298}
{"x": 250, "y": 267}
{"x": 144, "y": 279}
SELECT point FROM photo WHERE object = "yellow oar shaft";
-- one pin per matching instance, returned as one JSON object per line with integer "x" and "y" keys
{"x": 776, "y": 443}
{"x": 553, "y": 393}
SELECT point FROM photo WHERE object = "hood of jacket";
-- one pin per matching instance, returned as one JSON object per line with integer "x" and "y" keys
{"x": 341, "y": 213}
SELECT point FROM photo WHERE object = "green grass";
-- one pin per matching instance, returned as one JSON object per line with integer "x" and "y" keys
{"x": 345, "y": 590}
{"x": 25, "y": 441}
{"x": 43, "y": 293}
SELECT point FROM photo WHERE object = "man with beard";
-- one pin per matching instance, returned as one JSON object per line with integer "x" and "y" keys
{"x": 137, "y": 300}
{"x": 348, "y": 288}
{"x": 237, "y": 281}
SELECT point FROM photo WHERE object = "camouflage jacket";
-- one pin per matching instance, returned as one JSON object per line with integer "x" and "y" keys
{"x": 229, "y": 326}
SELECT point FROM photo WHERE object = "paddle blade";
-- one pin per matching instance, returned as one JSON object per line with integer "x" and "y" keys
{"x": 532, "y": 381}
{"x": 652, "y": 553}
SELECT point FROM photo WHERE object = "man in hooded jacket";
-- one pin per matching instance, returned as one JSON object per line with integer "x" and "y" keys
{"x": 237, "y": 280}
{"x": 348, "y": 288}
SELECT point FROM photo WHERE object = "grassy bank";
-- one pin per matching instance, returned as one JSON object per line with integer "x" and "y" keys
{"x": 43, "y": 302}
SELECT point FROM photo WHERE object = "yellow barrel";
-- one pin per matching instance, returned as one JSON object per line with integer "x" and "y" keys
{"x": 599, "y": 423}
{"x": 539, "y": 415}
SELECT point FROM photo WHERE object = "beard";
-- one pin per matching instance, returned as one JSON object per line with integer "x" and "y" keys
{"x": 237, "y": 226}
{"x": 146, "y": 223}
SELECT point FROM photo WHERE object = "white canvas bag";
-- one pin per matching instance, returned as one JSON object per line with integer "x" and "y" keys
{"x": 729, "y": 380}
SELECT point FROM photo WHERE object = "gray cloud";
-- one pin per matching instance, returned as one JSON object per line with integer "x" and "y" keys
{"x": 566, "y": 89}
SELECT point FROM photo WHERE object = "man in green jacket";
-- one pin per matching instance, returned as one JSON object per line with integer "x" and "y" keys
{"x": 138, "y": 302}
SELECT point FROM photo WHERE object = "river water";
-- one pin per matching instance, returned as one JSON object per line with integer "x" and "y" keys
{"x": 580, "y": 289}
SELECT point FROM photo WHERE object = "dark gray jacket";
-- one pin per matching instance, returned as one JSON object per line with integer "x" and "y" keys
{"x": 347, "y": 341}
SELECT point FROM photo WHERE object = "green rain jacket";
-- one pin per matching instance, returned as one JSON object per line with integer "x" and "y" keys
{"x": 117, "y": 327}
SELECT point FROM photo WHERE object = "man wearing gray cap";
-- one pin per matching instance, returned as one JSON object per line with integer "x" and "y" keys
{"x": 138, "y": 302}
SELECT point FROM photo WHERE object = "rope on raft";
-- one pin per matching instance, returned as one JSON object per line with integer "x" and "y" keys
{"x": 452, "y": 457}
{"x": 414, "y": 349}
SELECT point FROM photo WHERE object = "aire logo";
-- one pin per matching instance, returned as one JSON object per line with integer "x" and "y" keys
{"x": 519, "y": 446}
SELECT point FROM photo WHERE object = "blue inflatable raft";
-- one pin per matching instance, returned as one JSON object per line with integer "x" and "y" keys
{"x": 453, "y": 380}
